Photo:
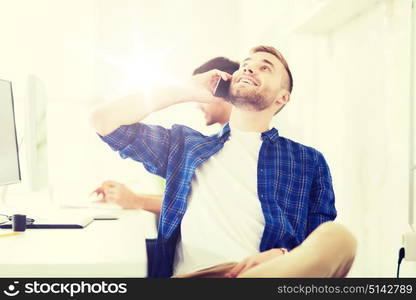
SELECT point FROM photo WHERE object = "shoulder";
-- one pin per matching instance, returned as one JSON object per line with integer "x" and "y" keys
{"x": 176, "y": 129}
{"x": 186, "y": 131}
{"x": 300, "y": 150}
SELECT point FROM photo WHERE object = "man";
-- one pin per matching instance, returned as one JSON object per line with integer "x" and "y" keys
{"x": 116, "y": 192}
{"x": 244, "y": 195}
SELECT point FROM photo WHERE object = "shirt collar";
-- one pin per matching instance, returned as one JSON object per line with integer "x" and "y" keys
{"x": 272, "y": 135}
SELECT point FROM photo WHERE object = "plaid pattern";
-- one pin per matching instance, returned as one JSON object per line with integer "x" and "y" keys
{"x": 293, "y": 182}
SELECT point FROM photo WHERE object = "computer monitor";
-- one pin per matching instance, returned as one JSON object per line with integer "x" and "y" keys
{"x": 9, "y": 152}
{"x": 36, "y": 170}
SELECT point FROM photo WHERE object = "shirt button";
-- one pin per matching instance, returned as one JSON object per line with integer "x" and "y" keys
{"x": 261, "y": 170}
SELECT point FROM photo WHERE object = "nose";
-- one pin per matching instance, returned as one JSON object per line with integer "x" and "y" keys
{"x": 248, "y": 70}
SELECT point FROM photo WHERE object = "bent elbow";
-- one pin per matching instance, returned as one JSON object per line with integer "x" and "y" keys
{"x": 97, "y": 121}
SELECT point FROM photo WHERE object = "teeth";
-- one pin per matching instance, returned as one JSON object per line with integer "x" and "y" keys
{"x": 248, "y": 81}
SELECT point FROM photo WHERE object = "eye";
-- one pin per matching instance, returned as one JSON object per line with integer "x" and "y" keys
{"x": 265, "y": 68}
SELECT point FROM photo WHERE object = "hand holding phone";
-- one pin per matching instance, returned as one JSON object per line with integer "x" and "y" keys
{"x": 205, "y": 86}
{"x": 222, "y": 88}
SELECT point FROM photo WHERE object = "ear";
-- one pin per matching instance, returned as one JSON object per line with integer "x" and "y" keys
{"x": 282, "y": 97}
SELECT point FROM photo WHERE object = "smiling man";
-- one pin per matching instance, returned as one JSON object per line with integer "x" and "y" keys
{"x": 245, "y": 202}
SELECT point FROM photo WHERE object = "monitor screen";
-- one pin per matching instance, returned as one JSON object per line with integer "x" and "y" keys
{"x": 9, "y": 155}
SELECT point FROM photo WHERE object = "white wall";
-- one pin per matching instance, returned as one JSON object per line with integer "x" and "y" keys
{"x": 352, "y": 98}
{"x": 52, "y": 40}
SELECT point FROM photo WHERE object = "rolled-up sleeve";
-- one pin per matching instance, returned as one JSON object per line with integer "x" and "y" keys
{"x": 148, "y": 144}
{"x": 322, "y": 197}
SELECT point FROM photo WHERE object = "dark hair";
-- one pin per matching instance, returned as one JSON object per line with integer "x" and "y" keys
{"x": 220, "y": 63}
{"x": 280, "y": 57}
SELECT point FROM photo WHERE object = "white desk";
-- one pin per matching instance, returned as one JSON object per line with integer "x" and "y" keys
{"x": 107, "y": 248}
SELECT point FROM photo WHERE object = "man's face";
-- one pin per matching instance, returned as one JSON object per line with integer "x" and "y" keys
{"x": 256, "y": 84}
{"x": 215, "y": 112}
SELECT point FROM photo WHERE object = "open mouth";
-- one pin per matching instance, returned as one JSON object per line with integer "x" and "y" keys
{"x": 247, "y": 80}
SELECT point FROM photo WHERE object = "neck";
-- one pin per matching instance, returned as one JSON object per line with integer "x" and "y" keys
{"x": 226, "y": 112}
{"x": 256, "y": 121}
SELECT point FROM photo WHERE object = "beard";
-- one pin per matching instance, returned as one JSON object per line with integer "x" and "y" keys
{"x": 248, "y": 99}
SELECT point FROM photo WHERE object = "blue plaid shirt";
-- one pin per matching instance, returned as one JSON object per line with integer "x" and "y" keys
{"x": 293, "y": 182}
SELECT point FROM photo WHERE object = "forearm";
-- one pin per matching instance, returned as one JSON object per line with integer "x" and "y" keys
{"x": 151, "y": 203}
{"x": 134, "y": 108}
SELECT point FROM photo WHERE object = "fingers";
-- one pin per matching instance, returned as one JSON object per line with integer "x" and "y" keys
{"x": 110, "y": 197}
{"x": 215, "y": 75}
{"x": 223, "y": 75}
{"x": 108, "y": 191}
{"x": 97, "y": 191}
{"x": 247, "y": 266}
{"x": 112, "y": 194}
{"x": 202, "y": 86}
{"x": 106, "y": 187}
{"x": 226, "y": 76}
{"x": 237, "y": 269}
{"x": 242, "y": 267}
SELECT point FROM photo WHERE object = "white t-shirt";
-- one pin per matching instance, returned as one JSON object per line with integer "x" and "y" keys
{"x": 223, "y": 221}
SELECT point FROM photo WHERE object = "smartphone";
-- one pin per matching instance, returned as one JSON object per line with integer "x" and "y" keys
{"x": 222, "y": 88}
